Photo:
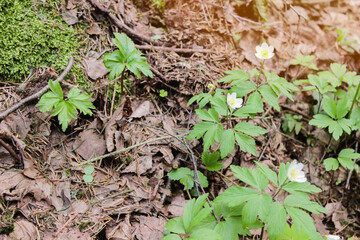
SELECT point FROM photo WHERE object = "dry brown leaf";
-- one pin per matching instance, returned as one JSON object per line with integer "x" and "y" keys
{"x": 94, "y": 68}
{"x": 176, "y": 208}
{"x": 142, "y": 110}
{"x": 24, "y": 230}
{"x": 140, "y": 165}
{"x": 150, "y": 228}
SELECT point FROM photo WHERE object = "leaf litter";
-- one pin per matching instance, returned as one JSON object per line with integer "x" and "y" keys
{"x": 131, "y": 197}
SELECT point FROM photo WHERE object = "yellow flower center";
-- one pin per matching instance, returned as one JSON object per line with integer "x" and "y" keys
{"x": 232, "y": 102}
{"x": 294, "y": 173}
{"x": 265, "y": 52}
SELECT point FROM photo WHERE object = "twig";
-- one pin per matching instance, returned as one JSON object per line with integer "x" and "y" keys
{"x": 296, "y": 111}
{"x": 326, "y": 149}
{"x": 172, "y": 49}
{"x": 38, "y": 94}
{"x": 9, "y": 149}
{"x": 296, "y": 11}
{"x": 267, "y": 144}
{"x": 122, "y": 26}
{"x": 203, "y": 9}
{"x": 123, "y": 150}
{"x": 64, "y": 226}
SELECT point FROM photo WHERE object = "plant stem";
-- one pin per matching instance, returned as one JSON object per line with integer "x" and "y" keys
{"x": 354, "y": 100}
{"x": 261, "y": 69}
{"x": 262, "y": 233}
{"x": 122, "y": 82}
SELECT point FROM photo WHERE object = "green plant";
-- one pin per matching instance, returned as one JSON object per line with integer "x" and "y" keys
{"x": 240, "y": 209}
{"x": 305, "y": 61}
{"x": 126, "y": 57}
{"x": 159, "y": 5}
{"x": 34, "y": 34}
{"x": 163, "y": 93}
{"x": 346, "y": 42}
{"x": 88, "y": 170}
{"x": 291, "y": 123}
{"x": 64, "y": 108}
{"x": 186, "y": 177}
{"x": 346, "y": 158}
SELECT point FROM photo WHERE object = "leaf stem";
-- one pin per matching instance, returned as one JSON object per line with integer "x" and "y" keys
{"x": 261, "y": 69}
{"x": 353, "y": 102}
{"x": 262, "y": 232}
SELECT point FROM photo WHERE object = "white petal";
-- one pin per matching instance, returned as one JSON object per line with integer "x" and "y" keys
{"x": 233, "y": 95}
{"x": 238, "y": 103}
{"x": 271, "y": 49}
{"x": 299, "y": 166}
{"x": 258, "y": 48}
{"x": 264, "y": 45}
{"x": 258, "y": 55}
{"x": 300, "y": 180}
{"x": 241, "y": 100}
{"x": 271, "y": 55}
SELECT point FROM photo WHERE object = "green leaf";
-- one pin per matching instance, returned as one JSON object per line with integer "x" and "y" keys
{"x": 346, "y": 157}
{"x": 235, "y": 196}
{"x": 254, "y": 178}
{"x": 294, "y": 187}
{"x": 335, "y": 129}
{"x": 210, "y": 115}
{"x": 342, "y": 107}
{"x": 219, "y": 103}
{"x": 254, "y": 104}
{"x": 321, "y": 121}
{"x": 250, "y": 129}
{"x": 293, "y": 234}
{"x": 187, "y": 181}
{"x": 283, "y": 173}
{"x": 227, "y": 142}
{"x": 65, "y": 111}
{"x": 179, "y": 173}
{"x": 171, "y": 237}
{"x": 199, "y": 129}
{"x": 329, "y": 106}
{"x": 246, "y": 143}
{"x": 80, "y": 101}
{"x": 303, "y": 202}
{"x": 238, "y": 75}
{"x": 328, "y": 77}
{"x": 276, "y": 220}
{"x": 302, "y": 221}
{"x": 48, "y": 101}
{"x": 257, "y": 206}
{"x": 88, "y": 178}
{"x": 211, "y": 161}
{"x": 203, "y": 180}
{"x": 56, "y": 88}
{"x": 207, "y": 234}
{"x": 331, "y": 164}
{"x": 270, "y": 96}
{"x": 213, "y": 134}
{"x": 306, "y": 61}
{"x": 194, "y": 212}
{"x": 176, "y": 225}
{"x": 243, "y": 88}
{"x": 338, "y": 69}
{"x": 89, "y": 169}
{"x": 269, "y": 174}
{"x": 228, "y": 230}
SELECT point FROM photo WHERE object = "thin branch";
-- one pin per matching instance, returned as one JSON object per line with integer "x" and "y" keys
{"x": 38, "y": 94}
{"x": 122, "y": 26}
{"x": 9, "y": 149}
{"x": 123, "y": 150}
{"x": 172, "y": 49}
{"x": 296, "y": 11}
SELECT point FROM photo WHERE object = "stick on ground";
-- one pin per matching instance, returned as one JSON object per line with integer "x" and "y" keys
{"x": 38, "y": 94}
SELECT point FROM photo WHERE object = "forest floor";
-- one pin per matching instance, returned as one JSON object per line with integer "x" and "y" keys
{"x": 188, "y": 45}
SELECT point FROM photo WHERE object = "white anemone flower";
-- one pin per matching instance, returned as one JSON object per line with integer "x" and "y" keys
{"x": 264, "y": 51}
{"x": 211, "y": 86}
{"x": 332, "y": 237}
{"x": 295, "y": 173}
{"x": 234, "y": 102}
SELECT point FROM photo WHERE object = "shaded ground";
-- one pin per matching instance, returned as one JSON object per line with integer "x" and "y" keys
{"x": 43, "y": 195}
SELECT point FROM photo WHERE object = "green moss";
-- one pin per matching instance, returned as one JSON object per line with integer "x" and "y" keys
{"x": 33, "y": 34}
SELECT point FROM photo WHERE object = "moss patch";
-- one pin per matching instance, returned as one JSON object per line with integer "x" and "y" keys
{"x": 33, "y": 34}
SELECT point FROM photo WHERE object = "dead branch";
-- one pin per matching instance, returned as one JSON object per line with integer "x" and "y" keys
{"x": 171, "y": 49}
{"x": 9, "y": 149}
{"x": 120, "y": 25}
{"x": 38, "y": 94}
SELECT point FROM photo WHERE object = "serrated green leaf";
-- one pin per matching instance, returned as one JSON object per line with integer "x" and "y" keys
{"x": 171, "y": 237}
{"x": 227, "y": 142}
{"x": 65, "y": 111}
{"x": 208, "y": 115}
{"x": 257, "y": 206}
{"x": 331, "y": 164}
{"x": 89, "y": 169}
{"x": 235, "y": 196}
{"x": 269, "y": 174}
{"x": 293, "y": 234}
{"x": 349, "y": 153}
{"x": 200, "y": 129}
{"x": 192, "y": 209}
{"x": 254, "y": 104}
{"x": 203, "y": 180}
{"x": 250, "y": 129}
{"x": 56, "y": 88}
{"x": 214, "y": 133}
{"x": 187, "y": 181}
{"x": 283, "y": 173}
{"x": 302, "y": 221}
{"x": 238, "y": 75}
{"x": 246, "y": 143}
{"x": 242, "y": 88}
{"x": 219, "y": 103}
{"x": 204, "y": 233}
{"x": 179, "y": 173}
{"x": 276, "y": 220}
{"x": 335, "y": 129}
{"x": 294, "y": 187}
{"x": 211, "y": 161}
{"x": 228, "y": 230}
{"x": 329, "y": 106}
{"x": 321, "y": 121}
{"x": 338, "y": 69}
{"x": 270, "y": 96}
{"x": 48, "y": 101}
{"x": 304, "y": 203}
{"x": 80, "y": 101}
{"x": 195, "y": 98}
{"x": 176, "y": 225}
{"x": 328, "y": 77}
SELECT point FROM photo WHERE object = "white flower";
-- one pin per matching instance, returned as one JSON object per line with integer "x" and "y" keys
{"x": 211, "y": 86}
{"x": 295, "y": 173}
{"x": 332, "y": 237}
{"x": 234, "y": 102}
{"x": 264, "y": 51}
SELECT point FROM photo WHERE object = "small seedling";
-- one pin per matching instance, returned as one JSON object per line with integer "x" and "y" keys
{"x": 88, "y": 170}
{"x": 64, "y": 108}
{"x": 163, "y": 93}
